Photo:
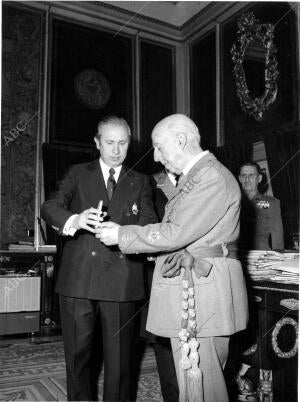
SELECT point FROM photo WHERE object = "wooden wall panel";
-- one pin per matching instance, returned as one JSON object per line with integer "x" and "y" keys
{"x": 21, "y": 59}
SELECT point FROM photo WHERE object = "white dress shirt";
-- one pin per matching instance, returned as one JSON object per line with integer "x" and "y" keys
{"x": 68, "y": 229}
{"x": 105, "y": 171}
{"x": 172, "y": 177}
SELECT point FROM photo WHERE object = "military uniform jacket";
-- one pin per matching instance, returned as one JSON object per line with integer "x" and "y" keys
{"x": 89, "y": 269}
{"x": 162, "y": 186}
{"x": 261, "y": 223}
{"x": 202, "y": 212}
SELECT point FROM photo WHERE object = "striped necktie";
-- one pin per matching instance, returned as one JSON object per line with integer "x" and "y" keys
{"x": 111, "y": 183}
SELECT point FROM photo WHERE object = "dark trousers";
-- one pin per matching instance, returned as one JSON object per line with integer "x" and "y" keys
{"x": 78, "y": 317}
{"x": 166, "y": 369}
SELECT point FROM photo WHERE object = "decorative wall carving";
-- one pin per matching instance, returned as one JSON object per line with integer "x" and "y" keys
{"x": 252, "y": 33}
{"x": 22, "y": 32}
{"x": 92, "y": 88}
{"x": 235, "y": 123}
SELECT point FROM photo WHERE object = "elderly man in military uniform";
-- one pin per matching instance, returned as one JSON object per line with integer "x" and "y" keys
{"x": 201, "y": 219}
{"x": 261, "y": 223}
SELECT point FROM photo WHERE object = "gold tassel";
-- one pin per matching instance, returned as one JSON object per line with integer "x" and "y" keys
{"x": 195, "y": 385}
{"x": 190, "y": 374}
{"x": 194, "y": 374}
{"x": 182, "y": 383}
{"x": 184, "y": 365}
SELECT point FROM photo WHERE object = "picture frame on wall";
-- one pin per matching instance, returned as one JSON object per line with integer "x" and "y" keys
{"x": 91, "y": 77}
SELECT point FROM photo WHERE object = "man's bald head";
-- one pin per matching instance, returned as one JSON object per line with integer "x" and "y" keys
{"x": 178, "y": 124}
{"x": 176, "y": 141}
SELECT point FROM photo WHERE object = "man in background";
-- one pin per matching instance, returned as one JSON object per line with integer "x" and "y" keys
{"x": 261, "y": 223}
{"x": 98, "y": 282}
{"x": 202, "y": 220}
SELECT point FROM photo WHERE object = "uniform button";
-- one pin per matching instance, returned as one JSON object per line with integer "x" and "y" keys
{"x": 93, "y": 253}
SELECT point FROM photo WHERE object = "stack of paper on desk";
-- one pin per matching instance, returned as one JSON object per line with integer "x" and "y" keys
{"x": 271, "y": 265}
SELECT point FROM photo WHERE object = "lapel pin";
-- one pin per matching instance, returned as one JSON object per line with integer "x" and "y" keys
{"x": 135, "y": 209}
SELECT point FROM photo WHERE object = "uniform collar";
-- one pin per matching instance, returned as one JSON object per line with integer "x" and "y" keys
{"x": 193, "y": 162}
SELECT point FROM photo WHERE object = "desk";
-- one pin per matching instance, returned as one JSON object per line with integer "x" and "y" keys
{"x": 274, "y": 320}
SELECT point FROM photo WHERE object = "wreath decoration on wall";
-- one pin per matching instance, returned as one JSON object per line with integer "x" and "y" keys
{"x": 279, "y": 325}
{"x": 252, "y": 349}
{"x": 250, "y": 30}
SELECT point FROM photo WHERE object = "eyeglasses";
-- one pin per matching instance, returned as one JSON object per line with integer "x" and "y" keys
{"x": 244, "y": 177}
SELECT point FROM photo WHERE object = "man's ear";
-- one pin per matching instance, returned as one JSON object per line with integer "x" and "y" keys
{"x": 182, "y": 140}
{"x": 260, "y": 178}
{"x": 97, "y": 142}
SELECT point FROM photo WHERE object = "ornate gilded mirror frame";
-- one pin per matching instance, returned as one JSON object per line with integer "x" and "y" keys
{"x": 250, "y": 30}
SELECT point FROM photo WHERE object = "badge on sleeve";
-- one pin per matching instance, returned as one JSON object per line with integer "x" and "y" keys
{"x": 153, "y": 236}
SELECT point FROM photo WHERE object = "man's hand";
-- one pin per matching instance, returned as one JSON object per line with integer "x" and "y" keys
{"x": 108, "y": 233}
{"x": 88, "y": 220}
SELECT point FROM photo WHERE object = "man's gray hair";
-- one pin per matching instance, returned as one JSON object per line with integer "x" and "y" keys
{"x": 113, "y": 121}
{"x": 183, "y": 122}
{"x": 178, "y": 123}
{"x": 252, "y": 164}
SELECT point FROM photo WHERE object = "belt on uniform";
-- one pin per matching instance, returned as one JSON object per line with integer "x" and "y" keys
{"x": 195, "y": 260}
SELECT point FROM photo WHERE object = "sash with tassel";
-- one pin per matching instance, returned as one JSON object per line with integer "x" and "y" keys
{"x": 190, "y": 374}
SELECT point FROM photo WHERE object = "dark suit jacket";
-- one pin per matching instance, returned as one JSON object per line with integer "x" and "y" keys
{"x": 261, "y": 224}
{"x": 89, "y": 269}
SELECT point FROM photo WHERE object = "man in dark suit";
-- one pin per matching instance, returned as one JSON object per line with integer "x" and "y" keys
{"x": 96, "y": 281}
